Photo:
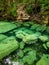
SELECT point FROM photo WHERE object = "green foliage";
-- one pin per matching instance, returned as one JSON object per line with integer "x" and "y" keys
{"x": 1, "y": 5}
{"x": 44, "y": 6}
{"x": 27, "y": 1}
{"x": 43, "y": 1}
{"x": 13, "y": 9}
{"x": 29, "y": 9}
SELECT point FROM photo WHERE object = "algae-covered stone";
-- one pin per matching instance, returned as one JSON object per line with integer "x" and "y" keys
{"x": 30, "y": 57}
{"x": 20, "y": 34}
{"x": 7, "y": 46}
{"x": 30, "y": 38}
{"x": 28, "y": 31}
{"x": 44, "y": 60}
{"x": 22, "y": 44}
{"x": 43, "y": 38}
{"x": 20, "y": 54}
{"x": 6, "y": 26}
{"x": 2, "y": 37}
{"x": 44, "y": 45}
{"x": 27, "y": 49}
{"x": 47, "y": 44}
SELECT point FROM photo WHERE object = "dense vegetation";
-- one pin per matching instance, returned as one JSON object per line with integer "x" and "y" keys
{"x": 39, "y": 9}
{"x": 24, "y": 32}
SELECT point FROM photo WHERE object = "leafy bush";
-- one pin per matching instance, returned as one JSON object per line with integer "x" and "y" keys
{"x": 29, "y": 9}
